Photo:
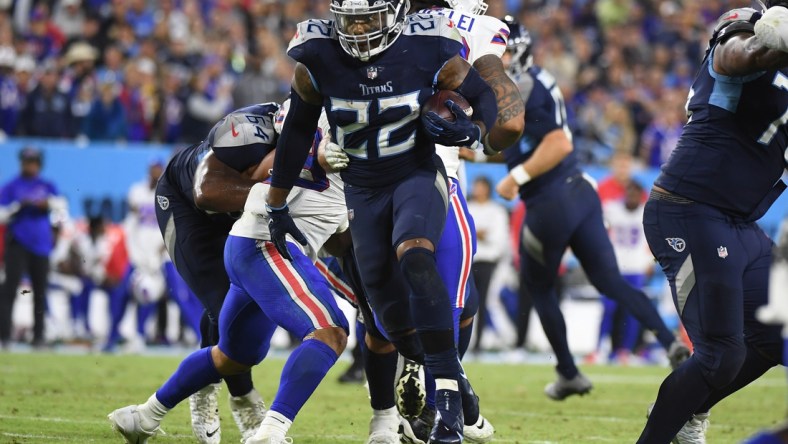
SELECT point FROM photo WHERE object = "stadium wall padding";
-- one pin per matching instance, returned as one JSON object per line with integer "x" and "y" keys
{"x": 96, "y": 177}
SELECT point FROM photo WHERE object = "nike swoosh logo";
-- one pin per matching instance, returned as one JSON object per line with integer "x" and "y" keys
{"x": 232, "y": 127}
{"x": 464, "y": 140}
{"x": 210, "y": 434}
{"x": 480, "y": 426}
{"x": 733, "y": 16}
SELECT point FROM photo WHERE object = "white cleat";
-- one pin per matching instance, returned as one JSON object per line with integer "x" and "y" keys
{"x": 127, "y": 422}
{"x": 248, "y": 413}
{"x": 694, "y": 430}
{"x": 204, "y": 406}
{"x": 480, "y": 433}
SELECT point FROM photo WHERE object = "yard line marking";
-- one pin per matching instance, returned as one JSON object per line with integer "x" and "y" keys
{"x": 27, "y": 436}
{"x": 52, "y": 419}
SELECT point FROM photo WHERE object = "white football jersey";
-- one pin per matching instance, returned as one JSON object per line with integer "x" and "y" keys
{"x": 482, "y": 35}
{"x": 628, "y": 239}
{"x": 317, "y": 213}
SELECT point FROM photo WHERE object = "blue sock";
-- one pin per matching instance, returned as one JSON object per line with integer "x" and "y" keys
{"x": 304, "y": 369}
{"x": 194, "y": 373}
{"x": 118, "y": 300}
{"x": 429, "y": 387}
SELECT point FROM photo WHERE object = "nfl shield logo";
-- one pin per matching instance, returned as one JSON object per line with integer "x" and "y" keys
{"x": 722, "y": 252}
{"x": 372, "y": 72}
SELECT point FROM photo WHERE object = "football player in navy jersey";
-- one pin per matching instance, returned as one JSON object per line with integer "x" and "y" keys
{"x": 199, "y": 187}
{"x": 563, "y": 211}
{"x": 700, "y": 218}
{"x": 371, "y": 70}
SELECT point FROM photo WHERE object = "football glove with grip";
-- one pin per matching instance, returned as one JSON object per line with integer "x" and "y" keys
{"x": 461, "y": 132}
{"x": 335, "y": 156}
{"x": 280, "y": 224}
{"x": 772, "y": 28}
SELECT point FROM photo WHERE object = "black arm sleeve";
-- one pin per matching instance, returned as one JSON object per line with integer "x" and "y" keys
{"x": 294, "y": 143}
{"x": 481, "y": 97}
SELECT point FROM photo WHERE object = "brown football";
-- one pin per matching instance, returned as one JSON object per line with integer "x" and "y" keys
{"x": 437, "y": 104}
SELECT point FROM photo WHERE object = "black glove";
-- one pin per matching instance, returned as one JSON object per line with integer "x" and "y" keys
{"x": 461, "y": 132}
{"x": 280, "y": 224}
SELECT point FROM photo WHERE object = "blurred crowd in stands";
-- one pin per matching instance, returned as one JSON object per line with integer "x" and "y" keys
{"x": 166, "y": 70}
{"x": 138, "y": 70}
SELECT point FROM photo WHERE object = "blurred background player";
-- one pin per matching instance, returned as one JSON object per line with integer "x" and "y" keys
{"x": 25, "y": 204}
{"x": 146, "y": 284}
{"x": 624, "y": 218}
{"x": 201, "y": 185}
{"x": 563, "y": 210}
{"x": 699, "y": 221}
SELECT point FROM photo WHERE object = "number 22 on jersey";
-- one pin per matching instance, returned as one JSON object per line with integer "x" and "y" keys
{"x": 381, "y": 140}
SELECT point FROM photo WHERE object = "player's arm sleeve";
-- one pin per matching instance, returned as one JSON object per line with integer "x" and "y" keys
{"x": 481, "y": 97}
{"x": 294, "y": 143}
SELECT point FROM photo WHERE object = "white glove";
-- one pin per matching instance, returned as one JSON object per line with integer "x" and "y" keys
{"x": 772, "y": 29}
{"x": 335, "y": 156}
{"x": 776, "y": 311}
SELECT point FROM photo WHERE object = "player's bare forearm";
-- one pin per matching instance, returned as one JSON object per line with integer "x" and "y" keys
{"x": 217, "y": 187}
{"x": 277, "y": 197}
{"x": 744, "y": 54}
{"x": 511, "y": 109}
{"x": 555, "y": 146}
{"x": 302, "y": 84}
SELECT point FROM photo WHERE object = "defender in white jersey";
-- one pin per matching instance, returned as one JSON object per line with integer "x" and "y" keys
{"x": 266, "y": 291}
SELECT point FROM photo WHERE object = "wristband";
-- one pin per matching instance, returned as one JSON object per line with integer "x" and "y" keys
{"x": 271, "y": 209}
{"x": 520, "y": 176}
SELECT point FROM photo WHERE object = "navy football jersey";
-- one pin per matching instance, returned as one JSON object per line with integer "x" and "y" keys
{"x": 730, "y": 153}
{"x": 544, "y": 112}
{"x": 241, "y": 139}
{"x": 373, "y": 107}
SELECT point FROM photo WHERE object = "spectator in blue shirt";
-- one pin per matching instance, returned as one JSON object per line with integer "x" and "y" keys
{"x": 25, "y": 203}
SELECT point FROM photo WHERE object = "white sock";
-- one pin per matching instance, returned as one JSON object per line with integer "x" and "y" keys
{"x": 151, "y": 413}
{"x": 387, "y": 419}
{"x": 389, "y": 412}
{"x": 274, "y": 424}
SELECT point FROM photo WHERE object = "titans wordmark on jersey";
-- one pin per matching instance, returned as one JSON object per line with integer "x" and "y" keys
{"x": 373, "y": 107}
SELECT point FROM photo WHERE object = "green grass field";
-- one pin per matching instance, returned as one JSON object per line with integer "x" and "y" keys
{"x": 46, "y": 398}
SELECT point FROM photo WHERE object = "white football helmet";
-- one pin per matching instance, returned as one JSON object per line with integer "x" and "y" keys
{"x": 477, "y": 7}
{"x": 368, "y": 27}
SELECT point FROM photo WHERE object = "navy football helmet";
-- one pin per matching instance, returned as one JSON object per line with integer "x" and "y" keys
{"x": 518, "y": 46}
{"x": 368, "y": 27}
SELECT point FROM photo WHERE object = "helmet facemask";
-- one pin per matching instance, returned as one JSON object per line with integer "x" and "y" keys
{"x": 366, "y": 29}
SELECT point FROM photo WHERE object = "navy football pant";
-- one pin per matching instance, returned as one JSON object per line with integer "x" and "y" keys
{"x": 718, "y": 270}
{"x": 570, "y": 215}
{"x": 380, "y": 220}
{"x": 195, "y": 242}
